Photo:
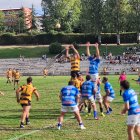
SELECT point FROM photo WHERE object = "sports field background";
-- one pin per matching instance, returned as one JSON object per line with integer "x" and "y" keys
{"x": 38, "y": 51}
{"x": 44, "y": 114}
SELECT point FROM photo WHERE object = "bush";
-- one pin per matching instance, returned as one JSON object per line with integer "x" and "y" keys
{"x": 55, "y": 48}
{"x": 63, "y": 38}
{"x": 7, "y": 39}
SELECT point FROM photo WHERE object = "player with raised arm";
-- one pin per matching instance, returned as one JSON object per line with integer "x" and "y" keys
{"x": 110, "y": 95}
{"x": 69, "y": 97}
{"x": 131, "y": 106}
{"x": 74, "y": 60}
{"x": 24, "y": 97}
{"x": 94, "y": 61}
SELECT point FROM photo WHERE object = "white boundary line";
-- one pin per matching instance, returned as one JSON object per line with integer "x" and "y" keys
{"x": 34, "y": 131}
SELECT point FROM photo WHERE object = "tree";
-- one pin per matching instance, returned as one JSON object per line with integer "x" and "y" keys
{"x": 34, "y": 26}
{"x": 1, "y": 21}
{"x": 115, "y": 16}
{"x": 91, "y": 17}
{"x": 64, "y": 12}
{"x": 134, "y": 17}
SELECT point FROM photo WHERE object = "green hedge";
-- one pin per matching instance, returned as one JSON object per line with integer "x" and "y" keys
{"x": 10, "y": 39}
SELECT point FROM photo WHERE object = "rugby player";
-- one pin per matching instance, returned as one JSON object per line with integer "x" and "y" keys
{"x": 122, "y": 77}
{"x": 69, "y": 97}
{"x": 94, "y": 62}
{"x": 16, "y": 78}
{"x": 9, "y": 76}
{"x": 88, "y": 91}
{"x": 110, "y": 95}
{"x": 24, "y": 97}
{"x": 131, "y": 106}
{"x": 74, "y": 60}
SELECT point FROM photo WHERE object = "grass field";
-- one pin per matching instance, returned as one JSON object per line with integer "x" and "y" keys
{"x": 30, "y": 51}
{"x": 44, "y": 115}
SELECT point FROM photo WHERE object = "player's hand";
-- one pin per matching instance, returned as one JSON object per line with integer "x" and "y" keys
{"x": 71, "y": 46}
{"x": 88, "y": 44}
{"x": 67, "y": 47}
{"x": 96, "y": 45}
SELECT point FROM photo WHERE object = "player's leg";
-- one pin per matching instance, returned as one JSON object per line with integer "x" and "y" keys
{"x": 93, "y": 104}
{"x": 137, "y": 131}
{"x": 130, "y": 132}
{"x": 60, "y": 120}
{"x": 27, "y": 114}
{"x": 23, "y": 116}
{"x": 79, "y": 119}
{"x": 14, "y": 84}
{"x": 89, "y": 109}
{"x": 64, "y": 109}
{"x": 101, "y": 107}
{"x": 137, "y": 127}
{"x": 106, "y": 102}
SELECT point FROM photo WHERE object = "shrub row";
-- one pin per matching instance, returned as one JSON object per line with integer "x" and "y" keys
{"x": 42, "y": 39}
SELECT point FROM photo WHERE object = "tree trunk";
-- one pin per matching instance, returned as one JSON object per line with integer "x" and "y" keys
{"x": 138, "y": 38}
{"x": 118, "y": 39}
{"x": 99, "y": 39}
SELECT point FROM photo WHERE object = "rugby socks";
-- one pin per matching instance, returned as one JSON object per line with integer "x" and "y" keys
{"x": 27, "y": 121}
{"x": 101, "y": 109}
{"x": 120, "y": 92}
{"x": 89, "y": 108}
{"x": 110, "y": 109}
{"x": 95, "y": 114}
{"x": 59, "y": 126}
{"x": 21, "y": 125}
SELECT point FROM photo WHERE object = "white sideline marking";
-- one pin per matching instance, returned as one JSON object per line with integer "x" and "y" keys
{"x": 34, "y": 131}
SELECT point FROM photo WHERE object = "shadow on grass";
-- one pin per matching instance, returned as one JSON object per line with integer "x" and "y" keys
{"x": 35, "y": 114}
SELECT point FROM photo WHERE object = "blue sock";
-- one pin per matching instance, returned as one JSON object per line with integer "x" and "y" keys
{"x": 95, "y": 114}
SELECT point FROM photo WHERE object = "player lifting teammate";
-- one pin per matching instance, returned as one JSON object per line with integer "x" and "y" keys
{"x": 69, "y": 97}
{"x": 110, "y": 95}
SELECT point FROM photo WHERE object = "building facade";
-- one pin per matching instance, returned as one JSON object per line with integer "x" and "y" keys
{"x": 12, "y": 17}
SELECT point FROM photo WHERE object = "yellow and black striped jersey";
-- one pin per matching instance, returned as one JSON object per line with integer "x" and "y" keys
{"x": 75, "y": 64}
{"x": 26, "y": 95}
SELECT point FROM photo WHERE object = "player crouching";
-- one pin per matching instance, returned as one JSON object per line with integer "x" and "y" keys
{"x": 25, "y": 100}
{"x": 69, "y": 97}
{"x": 110, "y": 95}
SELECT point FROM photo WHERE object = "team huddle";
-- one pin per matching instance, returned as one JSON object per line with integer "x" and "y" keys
{"x": 81, "y": 93}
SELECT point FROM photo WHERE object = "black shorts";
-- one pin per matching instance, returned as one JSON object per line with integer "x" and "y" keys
{"x": 29, "y": 104}
{"x": 16, "y": 81}
{"x": 75, "y": 72}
